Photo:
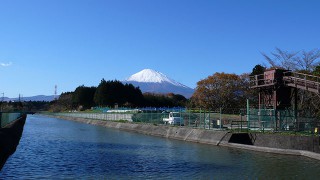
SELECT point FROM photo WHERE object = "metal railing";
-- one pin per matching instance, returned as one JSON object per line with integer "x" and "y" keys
{"x": 293, "y": 79}
{"x": 260, "y": 81}
{"x": 302, "y": 81}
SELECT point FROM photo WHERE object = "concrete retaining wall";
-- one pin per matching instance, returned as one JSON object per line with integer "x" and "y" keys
{"x": 307, "y": 143}
{"x": 272, "y": 143}
{"x": 10, "y": 138}
{"x": 280, "y": 141}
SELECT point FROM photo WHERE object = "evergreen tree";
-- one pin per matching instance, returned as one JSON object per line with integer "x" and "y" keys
{"x": 316, "y": 71}
{"x": 83, "y": 96}
{"x": 100, "y": 94}
{"x": 109, "y": 93}
{"x": 257, "y": 70}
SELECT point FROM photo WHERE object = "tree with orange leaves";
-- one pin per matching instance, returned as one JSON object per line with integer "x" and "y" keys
{"x": 221, "y": 90}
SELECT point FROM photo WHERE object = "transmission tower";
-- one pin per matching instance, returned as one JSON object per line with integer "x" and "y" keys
{"x": 55, "y": 92}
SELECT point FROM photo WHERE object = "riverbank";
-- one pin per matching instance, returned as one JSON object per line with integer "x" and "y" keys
{"x": 9, "y": 138}
{"x": 307, "y": 146}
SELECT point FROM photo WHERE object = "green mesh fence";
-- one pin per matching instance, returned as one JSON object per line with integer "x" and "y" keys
{"x": 261, "y": 119}
{"x": 7, "y": 118}
{"x": 155, "y": 118}
{"x": 279, "y": 120}
{"x": 255, "y": 120}
{"x": 190, "y": 118}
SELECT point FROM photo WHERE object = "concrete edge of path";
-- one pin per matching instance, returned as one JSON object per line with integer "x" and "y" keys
{"x": 273, "y": 150}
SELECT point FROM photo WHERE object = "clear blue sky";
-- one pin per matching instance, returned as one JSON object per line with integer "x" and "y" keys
{"x": 68, "y": 43}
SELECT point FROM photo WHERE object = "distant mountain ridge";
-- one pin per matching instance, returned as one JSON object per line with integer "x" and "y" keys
{"x": 148, "y": 80}
{"x": 32, "y": 98}
{"x": 156, "y": 82}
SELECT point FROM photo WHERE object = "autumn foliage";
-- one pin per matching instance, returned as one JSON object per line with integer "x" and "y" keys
{"x": 221, "y": 90}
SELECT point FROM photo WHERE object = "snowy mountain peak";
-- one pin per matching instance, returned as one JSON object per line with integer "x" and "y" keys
{"x": 152, "y": 81}
{"x": 152, "y": 76}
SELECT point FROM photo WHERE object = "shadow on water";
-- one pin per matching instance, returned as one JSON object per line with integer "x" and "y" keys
{"x": 9, "y": 139}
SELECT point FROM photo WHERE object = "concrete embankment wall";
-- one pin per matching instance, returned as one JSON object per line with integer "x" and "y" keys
{"x": 281, "y": 141}
{"x": 277, "y": 143}
{"x": 179, "y": 133}
{"x": 9, "y": 139}
{"x": 307, "y": 143}
{"x": 272, "y": 143}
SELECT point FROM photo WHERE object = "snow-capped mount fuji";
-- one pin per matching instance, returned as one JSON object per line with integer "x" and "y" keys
{"x": 152, "y": 76}
{"x": 156, "y": 82}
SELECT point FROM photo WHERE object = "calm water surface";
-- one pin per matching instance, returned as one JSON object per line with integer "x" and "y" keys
{"x": 58, "y": 149}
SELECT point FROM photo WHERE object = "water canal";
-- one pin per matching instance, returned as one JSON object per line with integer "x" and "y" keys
{"x": 58, "y": 149}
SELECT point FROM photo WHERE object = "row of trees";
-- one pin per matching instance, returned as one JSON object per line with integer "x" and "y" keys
{"x": 24, "y": 106}
{"x": 111, "y": 93}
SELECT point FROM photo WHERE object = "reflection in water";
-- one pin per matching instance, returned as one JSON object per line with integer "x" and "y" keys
{"x": 53, "y": 148}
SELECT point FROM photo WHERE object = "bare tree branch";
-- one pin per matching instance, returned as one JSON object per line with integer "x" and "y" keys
{"x": 270, "y": 61}
{"x": 308, "y": 59}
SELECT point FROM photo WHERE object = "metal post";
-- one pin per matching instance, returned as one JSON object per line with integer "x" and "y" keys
{"x": 248, "y": 115}
{"x": 180, "y": 116}
{"x": 189, "y": 118}
{"x": 276, "y": 109}
{"x": 209, "y": 121}
{"x": 296, "y": 106}
{"x": 220, "y": 119}
{"x": 241, "y": 121}
{"x": 318, "y": 82}
{"x": 259, "y": 115}
{"x": 200, "y": 119}
{"x": 204, "y": 119}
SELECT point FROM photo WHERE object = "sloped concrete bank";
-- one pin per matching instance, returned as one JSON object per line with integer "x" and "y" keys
{"x": 184, "y": 134}
{"x": 270, "y": 143}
